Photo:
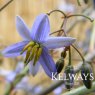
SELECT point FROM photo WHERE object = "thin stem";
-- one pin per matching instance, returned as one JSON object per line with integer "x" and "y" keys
{"x": 56, "y": 31}
{"x": 81, "y": 90}
{"x": 6, "y": 5}
{"x": 64, "y": 26}
{"x": 73, "y": 59}
{"x": 69, "y": 56}
{"x": 78, "y": 2}
{"x": 80, "y": 15}
{"x": 79, "y": 53}
{"x": 49, "y": 13}
{"x": 65, "y": 16}
{"x": 63, "y": 23}
{"x": 74, "y": 46}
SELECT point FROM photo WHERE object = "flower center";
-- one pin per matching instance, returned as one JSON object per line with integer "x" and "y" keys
{"x": 33, "y": 52}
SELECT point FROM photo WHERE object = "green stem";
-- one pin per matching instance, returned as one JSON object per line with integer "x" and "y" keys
{"x": 81, "y": 90}
{"x": 16, "y": 80}
{"x": 80, "y": 15}
{"x": 79, "y": 53}
{"x": 78, "y": 2}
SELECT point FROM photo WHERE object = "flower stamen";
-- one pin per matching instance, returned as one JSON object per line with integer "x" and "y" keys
{"x": 27, "y": 54}
{"x": 34, "y": 51}
{"x": 37, "y": 56}
{"x": 30, "y": 44}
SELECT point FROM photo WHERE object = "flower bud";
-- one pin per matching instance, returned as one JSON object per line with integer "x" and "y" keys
{"x": 69, "y": 72}
{"x": 59, "y": 65}
{"x": 86, "y": 70}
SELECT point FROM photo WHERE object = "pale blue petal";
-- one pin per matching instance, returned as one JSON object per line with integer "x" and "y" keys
{"x": 58, "y": 42}
{"x": 47, "y": 62}
{"x": 33, "y": 69}
{"x": 15, "y": 49}
{"x": 23, "y": 29}
{"x": 41, "y": 28}
{"x": 11, "y": 76}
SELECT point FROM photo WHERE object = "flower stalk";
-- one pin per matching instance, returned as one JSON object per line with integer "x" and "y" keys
{"x": 69, "y": 56}
{"x": 78, "y": 1}
{"x": 68, "y": 16}
{"x": 10, "y": 86}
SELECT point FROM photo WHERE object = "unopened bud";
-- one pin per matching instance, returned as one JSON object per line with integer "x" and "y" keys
{"x": 59, "y": 65}
{"x": 69, "y": 71}
{"x": 86, "y": 70}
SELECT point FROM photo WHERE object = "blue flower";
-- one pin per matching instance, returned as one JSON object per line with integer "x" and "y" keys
{"x": 36, "y": 44}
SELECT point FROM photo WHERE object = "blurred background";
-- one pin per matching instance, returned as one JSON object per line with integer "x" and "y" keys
{"x": 78, "y": 27}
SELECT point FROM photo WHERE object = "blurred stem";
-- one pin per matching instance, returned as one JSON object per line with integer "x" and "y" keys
{"x": 80, "y": 15}
{"x": 56, "y": 31}
{"x": 81, "y": 90}
{"x": 17, "y": 79}
{"x": 78, "y": 2}
{"x": 4, "y": 6}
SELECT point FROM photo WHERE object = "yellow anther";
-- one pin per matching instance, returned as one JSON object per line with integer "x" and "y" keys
{"x": 27, "y": 55}
{"x": 34, "y": 50}
{"x": 30, "y": 44}
{"x": 37, "y": 56}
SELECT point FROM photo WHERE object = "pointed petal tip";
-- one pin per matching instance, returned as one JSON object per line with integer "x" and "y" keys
{"x": 14, "y": 50}
{"x": 18, "y": 17}
{"x": 3, "y": 52}
{"x": 73, "y": 39}
{"x": 58, "y": 42}
{"x": 41, "y": 28}
{"x": 22, "y": 28}
{"x": 33, "y": 69}
{"x": 70, "y": 39}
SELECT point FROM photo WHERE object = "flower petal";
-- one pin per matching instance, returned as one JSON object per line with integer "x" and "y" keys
{"x": 33, "y": 69}
{"x": 22, "y": 28}
{"x": 41, "y": 28}
{"x": 58, "y": 42}
{"x": 14, "y": 50}
{"x": 47, "y": 62}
